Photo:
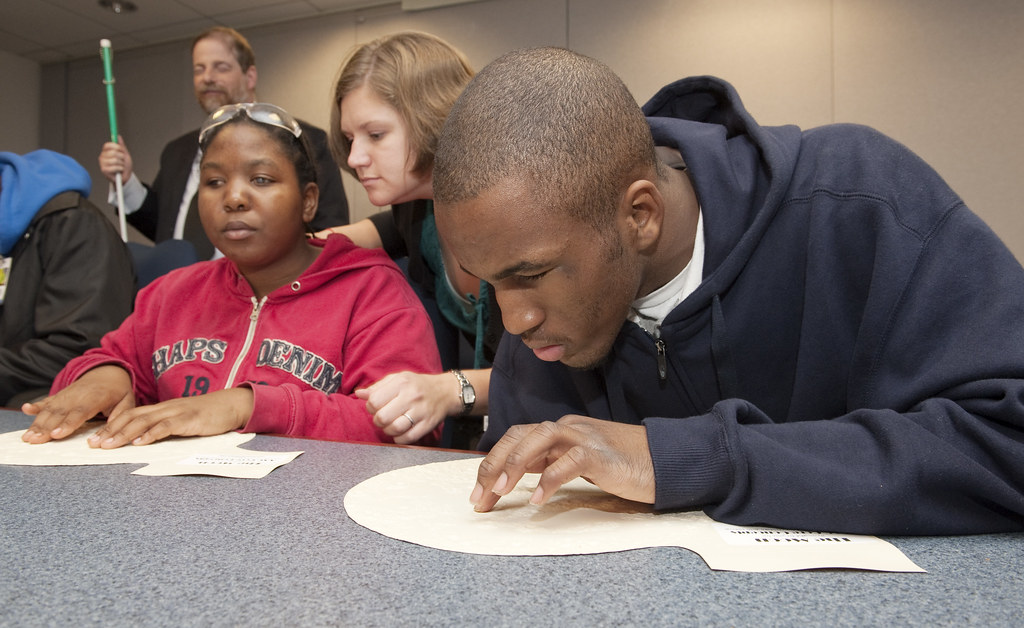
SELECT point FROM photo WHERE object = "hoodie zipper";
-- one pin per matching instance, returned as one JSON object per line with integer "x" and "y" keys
{"x": 662, "y": 360}
{"x": 653, "y": 331}
{"x": 662, "y": 356}
{"x": 253, "y": 317}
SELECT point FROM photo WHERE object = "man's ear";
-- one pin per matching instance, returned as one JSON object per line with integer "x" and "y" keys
{"x": 644, "y": 208}
{"x": 251, "y": 76}
{"x": 310, "y": 198}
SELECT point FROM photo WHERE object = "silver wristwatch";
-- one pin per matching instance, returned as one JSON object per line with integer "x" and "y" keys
{"x": 466, "y": 394}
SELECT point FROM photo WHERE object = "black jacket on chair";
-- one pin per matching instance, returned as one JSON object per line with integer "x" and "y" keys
{"x": 71, "y": 282}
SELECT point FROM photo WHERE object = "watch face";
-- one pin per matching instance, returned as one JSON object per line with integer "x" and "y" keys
{"x": 468, "y": 395}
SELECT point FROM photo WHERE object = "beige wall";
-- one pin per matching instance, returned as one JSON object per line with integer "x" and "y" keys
{"x": 946, "y": 77}
{"x": 19, "y": 103}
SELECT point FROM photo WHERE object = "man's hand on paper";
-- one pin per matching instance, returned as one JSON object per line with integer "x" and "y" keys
{"x": 614, "y": 456}
{"x": 206, "y": 415}
{"x": 104, "y": 390}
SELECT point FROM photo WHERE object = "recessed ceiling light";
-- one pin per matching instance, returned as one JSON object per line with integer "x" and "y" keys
{"x": 119, "y": 6}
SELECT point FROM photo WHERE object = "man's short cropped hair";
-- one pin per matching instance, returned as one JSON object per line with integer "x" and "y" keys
{"x": 557, "y": 121}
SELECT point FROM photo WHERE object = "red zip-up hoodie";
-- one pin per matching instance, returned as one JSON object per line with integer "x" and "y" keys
{"x": 348, "y": 320}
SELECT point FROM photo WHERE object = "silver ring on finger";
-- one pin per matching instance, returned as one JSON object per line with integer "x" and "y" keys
{"x": 409, "y": 419}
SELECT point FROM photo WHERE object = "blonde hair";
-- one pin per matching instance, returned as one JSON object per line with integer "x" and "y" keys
{"x": 418, "y": 74}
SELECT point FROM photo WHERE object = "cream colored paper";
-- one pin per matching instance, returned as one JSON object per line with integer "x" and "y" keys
{"x": 429, "y": 505}
{"x": 203, "y": 455}
{"x": 252, "y": 464}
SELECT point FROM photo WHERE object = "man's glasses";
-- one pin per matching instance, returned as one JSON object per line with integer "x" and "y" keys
{"x": 262, "y": 112}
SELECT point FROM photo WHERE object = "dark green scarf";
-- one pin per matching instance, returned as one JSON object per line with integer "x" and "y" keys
{"x": 472, "y": 320}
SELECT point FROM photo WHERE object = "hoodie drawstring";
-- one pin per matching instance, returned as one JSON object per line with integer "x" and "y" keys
{"x": 721, "y": 354}
{"x": 480, "y": 312}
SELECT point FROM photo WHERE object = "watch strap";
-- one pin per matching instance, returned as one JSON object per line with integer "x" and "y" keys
{"x": 468, "y": 400}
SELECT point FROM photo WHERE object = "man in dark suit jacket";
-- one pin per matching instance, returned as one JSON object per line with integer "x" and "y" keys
{"x": 223, "y": 73}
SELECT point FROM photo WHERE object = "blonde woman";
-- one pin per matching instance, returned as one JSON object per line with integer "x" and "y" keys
{"x": 391, "y": 98}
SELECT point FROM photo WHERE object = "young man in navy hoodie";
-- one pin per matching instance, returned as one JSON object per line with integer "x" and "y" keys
{"x": 803, "y": 329}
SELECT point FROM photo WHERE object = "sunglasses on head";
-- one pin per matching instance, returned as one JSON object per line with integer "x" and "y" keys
{"x": 262, "y": 112}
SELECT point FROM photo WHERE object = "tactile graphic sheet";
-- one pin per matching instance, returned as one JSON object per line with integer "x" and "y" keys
{"x": 197, "y": 455}
{"x": 429, "y": 505}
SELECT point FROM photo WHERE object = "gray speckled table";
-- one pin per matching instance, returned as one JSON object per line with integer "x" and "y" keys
{"x": 96, "y": 546}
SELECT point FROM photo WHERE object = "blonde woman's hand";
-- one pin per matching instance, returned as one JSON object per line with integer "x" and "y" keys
{"x": 408, "y": 406}
{"x": 363, "y": 234}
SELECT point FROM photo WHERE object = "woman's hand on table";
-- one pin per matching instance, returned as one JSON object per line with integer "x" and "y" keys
{"x": 105, "y": 390}
{"x": 204, "y": 415}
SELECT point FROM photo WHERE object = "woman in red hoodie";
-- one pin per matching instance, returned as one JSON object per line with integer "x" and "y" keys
{"x": 274, "y": 337}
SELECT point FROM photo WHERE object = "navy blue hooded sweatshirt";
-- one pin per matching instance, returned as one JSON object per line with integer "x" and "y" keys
{"x": 853, "y": 359}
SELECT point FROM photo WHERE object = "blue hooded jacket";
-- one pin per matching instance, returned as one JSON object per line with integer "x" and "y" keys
{"x": 853, "y": 359}
{"x": 27, "y": 182}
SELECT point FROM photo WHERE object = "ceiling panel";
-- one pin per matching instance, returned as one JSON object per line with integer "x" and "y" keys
{"x": 49, "y": 31}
